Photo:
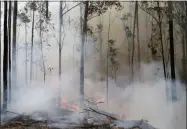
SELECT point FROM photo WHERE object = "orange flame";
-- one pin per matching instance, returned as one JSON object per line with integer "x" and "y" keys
{"x": 72, "y": 107}
{"x": 101, "y": 100}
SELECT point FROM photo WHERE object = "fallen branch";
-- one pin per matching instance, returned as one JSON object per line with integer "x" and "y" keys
{"x": 103, "y": 113}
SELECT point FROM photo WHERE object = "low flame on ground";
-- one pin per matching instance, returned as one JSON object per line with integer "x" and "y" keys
{"x": 74, "y": 107}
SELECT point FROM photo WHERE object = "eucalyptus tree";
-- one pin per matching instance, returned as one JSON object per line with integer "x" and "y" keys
{"x": 24, "y": 18}
{"x": 9, "y": 47}
{"x": 157, "y": 10}
{"x": 5, "y": 58}
{"x": 172, "y": 56}
{"x": 14, "y": 44}
{"x": 92, "y": 9}
{"x": 33, "y": 7}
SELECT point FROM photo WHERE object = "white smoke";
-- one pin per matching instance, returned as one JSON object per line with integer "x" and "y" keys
{"x": 142, "y": 100}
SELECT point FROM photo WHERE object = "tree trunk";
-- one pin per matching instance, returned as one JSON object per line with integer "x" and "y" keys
{"x": 14, "y": 48}
{"x": 100, "y": 45}
{"x": 185, "y": 44}
{"x": 107, "y": 65}
{"x": 9, "y": 47}
{"x": 161, "y": 40}
{"x": 26, "y": 48}
{"x": 185, "y": 26}
{"x": 41, "y": 44}
{"x": 133, "y": 46}
{"x": 60, "y": 48}
{"x": 5, "y": 58}
{"x": 138, "y": 42}
{"x": 47, "y": 9}
{"x": 172, "y": 55}
{"x": 84, "y": 33}
{"x": 32, "y": 38}
{"x": 0, "y": 56}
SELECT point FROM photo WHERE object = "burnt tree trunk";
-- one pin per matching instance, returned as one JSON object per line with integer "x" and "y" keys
{"x": 9, "y": 47}
{"x": 133, "y": 46}
{"x": 0, "y": 52}
{"x": 5, "y": 58}
{"x": 32, "y": 38}
{"x": 84, "y": 33}
{"x": 138, "y": 41}
{"x": 14, "y": 31}
{"x": 47, "y": 9}
{"x": 172, "y": 55}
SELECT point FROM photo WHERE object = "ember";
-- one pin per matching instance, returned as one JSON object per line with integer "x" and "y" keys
{"x": 71, "y": 107}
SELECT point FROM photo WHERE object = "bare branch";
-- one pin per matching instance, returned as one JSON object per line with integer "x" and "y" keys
{"x": 71, "y": 8}
{"x": 148, "y": 13}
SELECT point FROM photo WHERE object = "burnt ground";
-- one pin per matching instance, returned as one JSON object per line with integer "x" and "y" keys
{"x": 45, "y": 121}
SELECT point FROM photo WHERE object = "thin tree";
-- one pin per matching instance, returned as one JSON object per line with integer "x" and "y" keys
{"x": 47, "y": 9}
{"x": 100, "y": 27}
{"x": 60, "y": 46}
{"x": 32, "y": 40}
{"x": 9, "y": 47}
{"x": 5, "y": 58}
{"x": 41, "y": 41}
{"x": 26, "y": 55}
{"x": 0, "y": 51}
{"x": 138, "y": 41}
{"x": 161, "y": 38}
{"x": 83, "y": 35}
{"x": 14, "y": 47}
{"x": 133, "y": 45}
{"x": 107, "y": 58}
{"x": 172, "y": 56}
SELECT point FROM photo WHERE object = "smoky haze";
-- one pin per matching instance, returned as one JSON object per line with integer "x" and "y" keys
{"x": 145, "y": 99}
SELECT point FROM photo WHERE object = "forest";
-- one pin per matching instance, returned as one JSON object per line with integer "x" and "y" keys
{"x": 118, "y": 62}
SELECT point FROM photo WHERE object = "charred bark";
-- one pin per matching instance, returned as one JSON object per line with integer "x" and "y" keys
{"x": 172, "y": 55}
{"x": 84, "y": 33}
{"x": 133, "y": 45}
{"x": 5, "y": 58}
{"x": 32, "y": 38}
{"x": 14, "y": 47}
{"x": 138, "y": 41}
{"x": 10, "y": 48}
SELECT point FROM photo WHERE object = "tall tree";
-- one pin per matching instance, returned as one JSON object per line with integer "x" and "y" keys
{"x": 138, "y": 41}
{"x": 0, "y": 51}
{"x": 83, "y": 34}
{"x": 107, "y": 57}
{"x": 25, "y": 19}
{"x": 41, "y": 40}
{"x": 9, "y": 47}
{"x": 47, "y": 9}
{"x": 100, "y": 27}
{"x": 60, "y": 46}
{"x": 14, "y": 46}
{"x": 5, "y": 58}
{"x": 33, "y": 6}
{"x": 172, "y": 55}
{"x": 133, "y": 45}
{"x": 26, "y": 55}
{"x": 61, "y": 39}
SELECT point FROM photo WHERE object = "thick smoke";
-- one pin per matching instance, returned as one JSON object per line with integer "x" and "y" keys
{"x": 141, "y": 100}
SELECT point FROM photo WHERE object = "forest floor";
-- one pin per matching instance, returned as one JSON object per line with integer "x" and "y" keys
{"x": 25, "y": 122}
{"x": 95, "y": 121}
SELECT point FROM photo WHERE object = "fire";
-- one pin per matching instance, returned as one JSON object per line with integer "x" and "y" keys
{"x": 71, "y": 107}
{"x": 74, "y": 107}
{"x": 101, "y": 100}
